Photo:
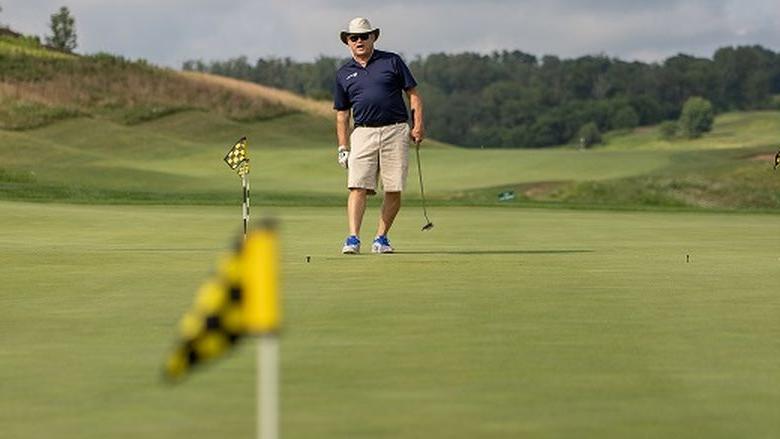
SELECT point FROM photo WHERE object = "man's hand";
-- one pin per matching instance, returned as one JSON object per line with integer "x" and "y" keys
{"x": 417, "y": 134}
{"x": 418, "y": 127}
{"x": 343, "y": 156}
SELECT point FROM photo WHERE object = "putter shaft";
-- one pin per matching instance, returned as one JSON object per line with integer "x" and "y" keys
{"x": 428, "y": 224}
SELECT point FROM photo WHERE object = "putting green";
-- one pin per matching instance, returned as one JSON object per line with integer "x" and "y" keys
{"x": 498, "y": 323}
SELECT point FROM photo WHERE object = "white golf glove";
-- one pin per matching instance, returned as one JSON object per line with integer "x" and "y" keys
{"x": 343, "y": 156}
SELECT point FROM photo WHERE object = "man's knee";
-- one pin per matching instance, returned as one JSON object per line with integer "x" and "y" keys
{"x": 392, "y": 198}
{"x": 359, "y": 195}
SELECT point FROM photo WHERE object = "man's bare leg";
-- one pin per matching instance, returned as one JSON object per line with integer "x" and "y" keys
{"x": 356, "y": 207}
{"x": 390, "y": 207}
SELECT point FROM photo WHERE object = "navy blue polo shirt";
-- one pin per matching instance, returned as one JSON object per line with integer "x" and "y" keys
{"x": 374, "y": 93}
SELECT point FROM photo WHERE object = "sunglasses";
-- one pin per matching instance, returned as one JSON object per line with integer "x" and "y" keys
{"x": 355, "y": 37}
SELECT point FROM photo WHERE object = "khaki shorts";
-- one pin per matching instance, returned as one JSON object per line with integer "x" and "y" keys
{"x": 379, "y": 152}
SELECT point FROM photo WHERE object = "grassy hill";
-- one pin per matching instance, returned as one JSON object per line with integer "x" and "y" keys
{"x": 39, "y": 86}
{"x": 732, "y": 130}
{"x": 104, "y": 129}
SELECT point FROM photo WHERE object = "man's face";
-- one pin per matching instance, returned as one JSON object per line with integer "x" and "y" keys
{"x": 361, "y": 44}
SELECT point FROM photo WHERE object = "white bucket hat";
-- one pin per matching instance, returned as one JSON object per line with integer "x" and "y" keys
{"x": 359, "y": 25}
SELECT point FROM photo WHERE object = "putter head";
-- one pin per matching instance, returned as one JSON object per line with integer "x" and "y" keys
{"x": 777, "y": 160}
{"x": 428, "y": 226}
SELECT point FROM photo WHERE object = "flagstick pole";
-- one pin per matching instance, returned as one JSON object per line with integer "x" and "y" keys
{"x": 268, "y": 387}
{"x": 262, "y": 313}
{"x": 245, "y": 204}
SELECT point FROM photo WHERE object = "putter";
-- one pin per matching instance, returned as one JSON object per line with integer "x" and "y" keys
{"x": 777, "y": 160}
{"x": 428, "y": 224}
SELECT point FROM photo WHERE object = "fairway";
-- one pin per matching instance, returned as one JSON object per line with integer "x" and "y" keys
{"x": 176, "y": 159}
{"x": 180, "y": 155}
{"x": 499, "y": 323}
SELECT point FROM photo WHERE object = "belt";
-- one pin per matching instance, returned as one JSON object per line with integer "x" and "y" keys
{"x": 377, "y": 124}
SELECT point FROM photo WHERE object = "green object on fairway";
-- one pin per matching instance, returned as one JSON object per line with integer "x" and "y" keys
{"x": 506, "y": 196}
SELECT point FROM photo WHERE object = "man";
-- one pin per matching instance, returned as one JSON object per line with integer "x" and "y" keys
{"x": 371, "y": 86}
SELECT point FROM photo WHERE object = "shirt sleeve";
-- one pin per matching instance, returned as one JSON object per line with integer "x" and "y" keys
{"x": 340, "y": 97}
{"x": 405, "y": 75}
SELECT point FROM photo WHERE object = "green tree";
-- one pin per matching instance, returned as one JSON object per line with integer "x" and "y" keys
{"x": 63, "y": 28}
{"x": 697, "y": 117}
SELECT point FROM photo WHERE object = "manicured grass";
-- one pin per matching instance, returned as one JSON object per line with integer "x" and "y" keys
{"x": 177, "y": 159}
{"x": 182, "y": 154}
{"x": 731, "y": 130}
{"x": 498, "y": 323}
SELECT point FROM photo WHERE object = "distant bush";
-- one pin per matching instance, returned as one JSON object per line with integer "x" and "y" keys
{"x": 668, "y": 130}
{"x": 106, "y": 58}
{"x": 9, "y": 176}
{"x": 589, "y": 135}
{"x": 10, "y": 36}
{"x": 697, "y": 117}
{"x": 625, "y": 118}
{"x": 776, "y": 102}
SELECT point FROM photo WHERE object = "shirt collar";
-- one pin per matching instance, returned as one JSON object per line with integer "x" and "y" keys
{"x": 374, "y": 55}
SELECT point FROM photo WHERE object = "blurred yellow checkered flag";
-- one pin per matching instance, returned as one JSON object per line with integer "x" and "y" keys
{"x": 237, "y": 158}
{"x": 241, "y": 299}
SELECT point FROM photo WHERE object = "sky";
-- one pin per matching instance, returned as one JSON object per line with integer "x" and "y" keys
{"x": 168, "y": 32}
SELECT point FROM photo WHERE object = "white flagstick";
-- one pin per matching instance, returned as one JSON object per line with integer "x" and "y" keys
{"x": 262, "y": 314}
{"x": 268, "y": 387}
{"x": 245, "y": 204}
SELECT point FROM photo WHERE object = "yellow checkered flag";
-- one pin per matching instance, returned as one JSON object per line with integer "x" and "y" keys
{"x": 241, "y": 299}
{"x": 237, "y": 158}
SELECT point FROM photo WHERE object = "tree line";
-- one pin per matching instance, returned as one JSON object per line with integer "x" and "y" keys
{"x": 515, "y": 99}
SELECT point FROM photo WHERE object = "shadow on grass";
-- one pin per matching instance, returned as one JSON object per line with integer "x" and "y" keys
{"x": 493, "y": 252}
{"x": 172, "y": 249}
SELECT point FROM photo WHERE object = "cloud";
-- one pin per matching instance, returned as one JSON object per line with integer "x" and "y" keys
{"x": 171, "y": 31}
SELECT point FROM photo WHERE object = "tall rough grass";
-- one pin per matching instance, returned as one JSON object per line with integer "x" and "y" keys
{"x": 36, "y": 88}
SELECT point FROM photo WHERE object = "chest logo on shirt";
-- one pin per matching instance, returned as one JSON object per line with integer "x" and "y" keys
{"x": 351, "y": 76}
